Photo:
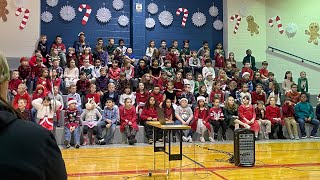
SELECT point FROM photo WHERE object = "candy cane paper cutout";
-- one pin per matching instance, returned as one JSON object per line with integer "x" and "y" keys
{"x": 185, "y": 15}
{"x": 278, "y": 20}
{"x": 238, "y": 18}
{"x": 87, "y": 14}
{"x": 25, "y": 17}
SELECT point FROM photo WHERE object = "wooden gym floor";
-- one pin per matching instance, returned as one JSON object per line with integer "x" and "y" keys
{"x": 274, "y": 160}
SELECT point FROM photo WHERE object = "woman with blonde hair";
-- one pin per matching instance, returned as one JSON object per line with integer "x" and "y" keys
{"x": 41, "y": 155}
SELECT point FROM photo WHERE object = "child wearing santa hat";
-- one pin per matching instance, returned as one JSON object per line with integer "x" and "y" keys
{"x": 184, "y": 115}
{"x": 72, "y": 123}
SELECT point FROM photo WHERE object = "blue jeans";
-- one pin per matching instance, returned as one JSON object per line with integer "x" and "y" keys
{"x": 186, "y": 132}
{"x": 76, "y": 134}
{"x": 109, "y": 134}
{"x": 314, "y": 122}
{"x": 33, "y": 115}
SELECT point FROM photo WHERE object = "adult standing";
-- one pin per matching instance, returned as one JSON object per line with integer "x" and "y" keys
{"x": 80, "y": 45}
{"x": 27, "y": 151}
{"x": 250, "y": 59}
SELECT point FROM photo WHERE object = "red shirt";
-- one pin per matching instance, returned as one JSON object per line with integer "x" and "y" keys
{"x": 250, "y": 71}
{"x": 217, "y": 94}
{"x": 162, "y": 83}
{"x": 36, "y": 70}
{"x": 24, "y": 72}
{"x": 215, "y": 114}
{"x": 200, "y": 114}
{"x": 14, "y": 83}
{"x": 129, "y": 115}
{"x": 25, "y": 96}
{"x": 168, "y": 113}
{"x": 33, "y": 60}
{"x": 96, "y": 97}
{"x": 148, "y": 112}
{"x": 246, "y": 112}
{"x": 142, "y": 97}
{"x": 173, "y": 59}
{"x": 83, "y": 57}
{"x": 219, "y": 61}
{"x": 287, "y": 110}
{"x": 61, "y": 47}
{"x": 57, "y": 82}
{"x": 46, "y": 83}
{"x": 114, "y": 73}
{"x": 258, "y": 97}
{"x": 158, "y": 97}
{"x": 273, "y": 112}
{"x": 264, "y": 72}
{"x": 294, "y": 96}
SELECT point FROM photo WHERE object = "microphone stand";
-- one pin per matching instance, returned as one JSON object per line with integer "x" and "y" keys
{"x": 54, "y": 106}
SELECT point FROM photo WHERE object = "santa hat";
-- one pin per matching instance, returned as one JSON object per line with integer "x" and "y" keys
{"x": 209, "y": 74}
{"x": 201, "y": 98}
{"x": 183, "y": 99}
{"x": 23, "y": 59}
{"x": 71, "y": 101}
{"x": 245, "y": 74}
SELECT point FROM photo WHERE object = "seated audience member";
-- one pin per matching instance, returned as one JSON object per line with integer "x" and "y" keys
{"x": 287, "y": 82}
{"x": 121, "y": 83}
{"x": 89, "y": 70}
{"x": 80, "y": 44}
{"x": 14, "y": 83}
{"x": 102, "y": 81}
{"x": 172, "y": 57}
{"x": 110, "y": 117}
{"x": 36, "y": 72}
{"x": 111, "y": 93}
{"x": 289, "y": 119}
{"x": 304, "y": 114}
{"x": 43, "y": 46}
{"x": 184, "y": 115}
{"x": 61, "y": 50}
{"x": 258, "y": 95}
{"x": 114, "y": 71}
{"x": 74, "y": 95}
{"x": 141, "y": 69}
{"x": 37, "y": 55}
{"x": 127, "y": 93}
{"x": 248, "y": 69}
{"x": 71, "y": 74}
{"x": 92, "y": 94}
{"x": 22, "y": 103}
{"x": 25, "y": 71}
{"x": 262, "y": 120}
{"x": 293, "y": 94}
{"x": 83, "y": 85}
{"x": 273, "y": 114}
{"x": 21, "y": 94}
{"x": 97, "y": 66}
{"x": 264, "y": 71}
{"x": 217, "y": 120}
{"x": 128, "y": 121}
{"x": 149, "y": 113}
{"x": 110, "y": 48}
{"x": 72, "y": 124}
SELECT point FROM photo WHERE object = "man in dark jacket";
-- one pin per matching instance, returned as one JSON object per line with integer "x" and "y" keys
{"x": 27, "y": 151}
{"x": 250, "y": 59}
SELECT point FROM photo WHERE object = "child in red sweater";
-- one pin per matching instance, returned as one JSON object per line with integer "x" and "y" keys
{"x": 274, "y": 115}
{"x": 141, "y": 97}
{"x": 22, "y": 94}
{"x": 14, "y": 83}
{"x": 199, "y": 123}
{"x": 156, "y": 94}
{"x": 216, "y": 92}
{"x": 216, "y": 119}
{"x": 94, "y": 95}
{"x": 247, "y": 68}
{"x": 149, "y": 113}
{"x": 128, "y": 121}
{"x": 247, "y": 115}
{"x": 44, "y": 80}
{"x": 163, "y": 81}
{"x": 114, "y": 71}
{"x": 288, "y": 117}
{"x": 258, "y": 95}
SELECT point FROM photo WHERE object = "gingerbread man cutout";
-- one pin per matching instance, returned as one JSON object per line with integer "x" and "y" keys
{"x": 3, "y": 10}
{"x": 252, "y": 26}
{"x": 313, "y": 32}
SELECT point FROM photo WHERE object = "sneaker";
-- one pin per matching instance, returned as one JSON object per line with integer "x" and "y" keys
{"x": 211, "y": 139}
{"x": 184, "y": 139}
{"x": 190, "y": 139}
{"x": 271, "y": 136}
{"x": 174, "y": 139}
{"x": 77, "y": 146}
{"x": 291, "y": 136}
{"x": 224, "y": 137}
{"x": 314, "y": 137}
{"x": 131, "y": 142}
{"x": 202, "y": 139}
{"x": 266, "y": 135}
{"x": 160, "y": 140}
{"x": 66, "y": 143}
{"x": 150, "y": 141}
{"x": 135, "y": 140}
{"x": 297, "y": 138}
{"x": 304, "y": 137}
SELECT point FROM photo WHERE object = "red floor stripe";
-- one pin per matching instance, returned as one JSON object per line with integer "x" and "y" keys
{"x": 211, "y": 169}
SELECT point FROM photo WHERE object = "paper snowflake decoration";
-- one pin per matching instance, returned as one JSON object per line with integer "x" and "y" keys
{"x": 103, "y": 15}
{"x": 217, "y": 24}
{"x": 166, "y": 18}
{"x": 19, "y": 3}
{"x": 117, "y": 4}
{"x": 46, "y": 16}
{"x": 243, "y": 11}
{"x": 52, "y": 3}
{"x": 150, "y": 23}
{"x": 67, "y": 13}
{"x": 291, "y": 30}
{"x": 153, "y": 8}
{"x": 213, "y": 11}
{"x": 199, "y": 19}
{"x": 123, "y": 20}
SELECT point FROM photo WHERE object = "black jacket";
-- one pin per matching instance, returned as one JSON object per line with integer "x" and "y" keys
{"x": 28, "y": 151}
